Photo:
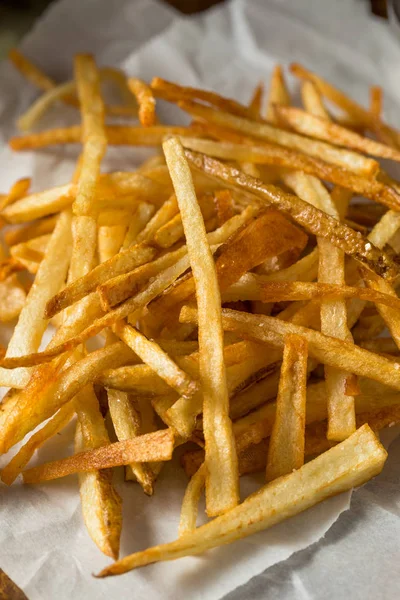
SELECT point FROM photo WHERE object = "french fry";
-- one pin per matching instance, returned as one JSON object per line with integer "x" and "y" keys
{"x": 31, "y": 253}
{"x": 174, "y": 93}
{"x": 346, "y": 159}
{"x": 30, "y": 231}
{"x": 117, "y": 135}
{"x": 57, "y": 391}
{"x": 278, "y": 93}
{"x": 93, "y": 135}
{"x": 315, "y": 127}
{"x": 348, "y": 465}
{"x": 314, "y": 220}
{"x": 31, "y": 324}
{"x": 312, "y": 101}
{"x": 12, "y": 299}
{"x": 148, "y": 447}
{"x": 151, "y": 354}
{"x": 126, "y": 423}
{"x": 18, "y": 190}
{"x": 145, "y": 99}
{"x": 189, "y": 509}
{"x": 125, "y": 260}
{"x": 139, "y": 221}
{"x": 286, "y": 446}
{"x": 24, "y": 455}
{"x": 357, "y": 112}
{"x": 101, "y": 504}
{"x": 328, "y": 350}
{"x": 29, "y": 70}
{"x": 139, "y": 380}
{"x": 222, "y": 481}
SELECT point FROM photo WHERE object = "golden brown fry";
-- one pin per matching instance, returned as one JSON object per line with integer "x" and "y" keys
{"x": 376, "y": 100}
{"x": 56, "y": 389}
{"x": 117, "y": 135}
{"x": 255, "y": 103}
{"x": 357, "y": 112}
{"x": 349, "y": 464}
{"x": 325, "y": 349}
{"x": 152, "y": 355}
{"x": 278, "y": 93}
{"x": 30, "y": 231}
{"x": 312, "y": 101}
{"x": 189, "y": 509}
{"x": 145, "y": 99}
{"x": 127, "y": 425}
{"x": 314, "y": 220}
{"x": 93, "y": 134}
{"x": 122, "y": 262}
{"x": 312, "y": 126}
{"x": 12, "y": 298}
{"x": 24, "y": 455}
{"x": 286, "y": 447}
{"x": 31, "y": 324}
{"x": 101, "y": 504}
{"x": 340, "y": 157}
{"x": 174, "y": 93}
{"x": 148, "y": 447}
{"x": 17, "y": 191}
{"x": 222, "y": 491}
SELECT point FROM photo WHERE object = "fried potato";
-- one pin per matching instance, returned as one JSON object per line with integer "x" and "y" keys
{"x": 222, "y": 482}
{"x": 148, "y": 447}
{"x": 314, "y": 220}
{"x": 286, "y": 446}
{"x": 145, "y": 99}
{"x": 349, "y": 464}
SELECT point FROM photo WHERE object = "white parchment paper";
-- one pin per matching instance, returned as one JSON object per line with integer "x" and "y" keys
{"x": 44, "y": 546}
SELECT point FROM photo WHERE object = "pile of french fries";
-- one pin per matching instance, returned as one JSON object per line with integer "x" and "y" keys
{"x": 239, "y": 287}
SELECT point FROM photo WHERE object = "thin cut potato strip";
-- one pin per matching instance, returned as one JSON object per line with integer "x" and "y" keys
{"x": 222, "y": 482}
{"x": 244, "y": 149}
{"x": 93, "y": 135}
{"x": 23, "y": 456}
{"x": 312, "y": 101}
{"x": 31, "y": 324}
{"x": 151, "y": 354}
{"x": 278, "y": 93}
{"x": 145, "y": 99}
{"x": 126, "y": 421}
{"x": 101, "y": 504}
{"x": 286, "y": 446}
{"x": 312, "y": 126}
{"x": 117, "y": 135}
{"x": 328, "y": 350}
{"x": 148, "y": 447}
{"x": 189, "y": 508}
{"x": 124, "y": 261}
{"x": 347, "y": 465}
{"x": 340, "y": 157}
{"x": 313, "y": 219}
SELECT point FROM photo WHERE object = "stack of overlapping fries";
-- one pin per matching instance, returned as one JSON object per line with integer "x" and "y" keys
{"x": 238, "y": 281}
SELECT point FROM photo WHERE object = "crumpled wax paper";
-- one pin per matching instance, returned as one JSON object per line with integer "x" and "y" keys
{"x": 44, "y": 546}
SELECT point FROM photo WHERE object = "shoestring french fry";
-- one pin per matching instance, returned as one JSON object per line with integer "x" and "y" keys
{"x": 223, "y": 276}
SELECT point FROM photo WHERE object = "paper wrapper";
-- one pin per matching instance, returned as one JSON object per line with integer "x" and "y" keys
{"x": 44, "y": 546}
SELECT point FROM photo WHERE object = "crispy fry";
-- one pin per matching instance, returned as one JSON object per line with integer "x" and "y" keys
{"x": 328, "y": 350}
{"x": 148, "y": 447}
{"x": 349, "y": 464}
{"x": 127, "y": 425}
{"x": 222, "y": 481}
{"x": 311, "y": 218}
{"x": 312, "y": 101}
{"x": 286, "y": 447}
{"x": 151, "y": 354}
{"x": 187, "y": 522}
{"x": 101, "y": 504}
{"x": 30, "y": 231}
{"x": 29, "y": 70}
{"x": 346, "y": 159}
{"x": 312, "y": 126}
{"x": 278, "y": 93}
{"x": 31, "y": 324}
{"x": 117, "y": 135}
{"x": 24, "y": 455}
{"x": 12, "y": 298}
{"x": 145, "y": 99}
